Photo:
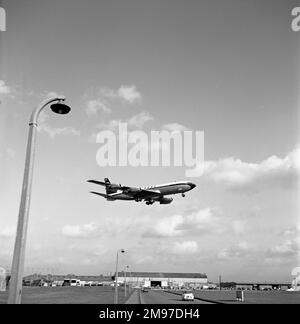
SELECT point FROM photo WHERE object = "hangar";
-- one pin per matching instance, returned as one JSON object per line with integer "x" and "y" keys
{"x": 164, "y": 279}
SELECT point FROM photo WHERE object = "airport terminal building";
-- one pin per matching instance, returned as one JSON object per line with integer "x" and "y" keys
{"x": 164, "y": 279}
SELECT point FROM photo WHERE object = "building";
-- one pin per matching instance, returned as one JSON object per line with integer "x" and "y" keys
{"x": 41, "y": 280}
{"x": 262, "y": 286}
{"x": 164, "y": 279}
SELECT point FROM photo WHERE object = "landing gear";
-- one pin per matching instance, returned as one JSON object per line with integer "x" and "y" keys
{"x": 149, "y": 202}
{"x": 183, "y": 195}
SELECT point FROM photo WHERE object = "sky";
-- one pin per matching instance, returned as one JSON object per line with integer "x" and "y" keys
{"x": 229, "y": 69}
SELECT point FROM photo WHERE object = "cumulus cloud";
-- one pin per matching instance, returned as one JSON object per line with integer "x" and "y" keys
{"x": 106, "y": 97}
{"x": 202, "y": 221}
{"x": 4, "y": 88}
{"x": 52, "y": 131}
{"x": 81, "y": 231}
{"x": 166, "y": 227}
{"x": 185, "y": 247}
{"x": 135, "y": 122}
{"x": 109, "y": 227}
{"x": 96, "y": 105}
{"x": 7, "y": 232}
{"x": 144, "y": 259}
{"x": 292, "y": 231}
{"x": 286, "y": 249}
{"x": 129, "y": 94}
{"x": 237, "y": 174}
{"x": 234, "y": 252}
{"x": 139, "y": 120}
{"x": 51, "y": 94}
{"x": 44, "y": 127}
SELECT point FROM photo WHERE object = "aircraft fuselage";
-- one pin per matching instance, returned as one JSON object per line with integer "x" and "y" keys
{"x": 162, "y": 190}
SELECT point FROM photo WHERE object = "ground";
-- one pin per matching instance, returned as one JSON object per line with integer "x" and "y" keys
{"x": 68, "y": 295}
{"x": 105, "y": 295}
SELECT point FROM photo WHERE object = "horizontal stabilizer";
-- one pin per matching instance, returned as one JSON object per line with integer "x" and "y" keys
{"x": 97, "y": 182}
{"x": 98, "y": 193}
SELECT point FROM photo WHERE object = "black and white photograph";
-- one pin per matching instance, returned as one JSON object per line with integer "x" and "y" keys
{"x": 149, "y": 155}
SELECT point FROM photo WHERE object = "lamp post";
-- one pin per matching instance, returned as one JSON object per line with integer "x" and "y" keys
{"x": 125, "y": 280}
{"x": 116, "y": 277}
{"x": 15, "y": 285}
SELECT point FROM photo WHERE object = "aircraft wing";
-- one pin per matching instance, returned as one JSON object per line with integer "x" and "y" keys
{"x": 141, "y": 193}
{"x": 134, "y": 192}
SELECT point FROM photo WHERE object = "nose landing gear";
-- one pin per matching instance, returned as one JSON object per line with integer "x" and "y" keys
{"x": 183, "y": 195}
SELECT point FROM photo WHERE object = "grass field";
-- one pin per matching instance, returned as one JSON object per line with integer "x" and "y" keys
{"x": 251, "y": 297}
{"x": 68, "y": 295}
{"x": 105, "y": 295}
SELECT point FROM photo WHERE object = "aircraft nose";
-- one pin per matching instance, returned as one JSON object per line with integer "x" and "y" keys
{"x": 192, "y": 185}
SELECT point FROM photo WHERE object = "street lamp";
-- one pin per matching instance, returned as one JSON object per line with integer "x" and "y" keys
{"x": 15, "y": 285}
{"x": 125, "y": 283}
{"x": 116, "y": 277}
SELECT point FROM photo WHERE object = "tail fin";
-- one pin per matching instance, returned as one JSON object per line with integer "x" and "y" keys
{"x": 110, "y": 187}
{"x": 106, "y": 180}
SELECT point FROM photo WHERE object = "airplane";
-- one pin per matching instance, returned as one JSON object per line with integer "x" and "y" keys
{"x": 150, "y": 194}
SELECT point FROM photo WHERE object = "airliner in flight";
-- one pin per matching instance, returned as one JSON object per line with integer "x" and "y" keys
{"x": 150, "y": 194}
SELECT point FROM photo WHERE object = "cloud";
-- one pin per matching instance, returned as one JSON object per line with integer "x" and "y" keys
{"x": 234, "y": 252}
{"x": 287, "y": 249}
{"x": 51, "y": 94}
{"x": 52, "y": 132}
{"x": 106, "y": 97}
{"x": 129, "y": 94}
{"x": 4, "y": 88}
{"x": 144, "y": 259}
{"x": 81, "y": 231}
{"x": 109, "y": 227}
{"x": 236, "y": 174}
{"x": 202, "y": 221}
{"x": 96, "y": 105}
{"x": 135, "y": 122}
{"x": 185, "y": 247}
{"x": 139, "y": 120}
{"x": 292, "y": 231}
{"x": 166, "y": 227}
{"x": 44, "y": 127}
{"x": 7, "y": 91}
{"x": 7, "y": 232}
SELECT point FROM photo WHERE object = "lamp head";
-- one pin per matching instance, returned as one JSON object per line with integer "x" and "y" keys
{"x": 122, "y": 251}
{"x": 60, "y": 108}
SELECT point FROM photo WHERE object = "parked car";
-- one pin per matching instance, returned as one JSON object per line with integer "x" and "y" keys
{"x": 188, "y": 296}
{"x": 71, "y": 282}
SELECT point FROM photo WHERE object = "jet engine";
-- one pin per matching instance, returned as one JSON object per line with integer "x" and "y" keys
{"x": 165, "y": 200}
